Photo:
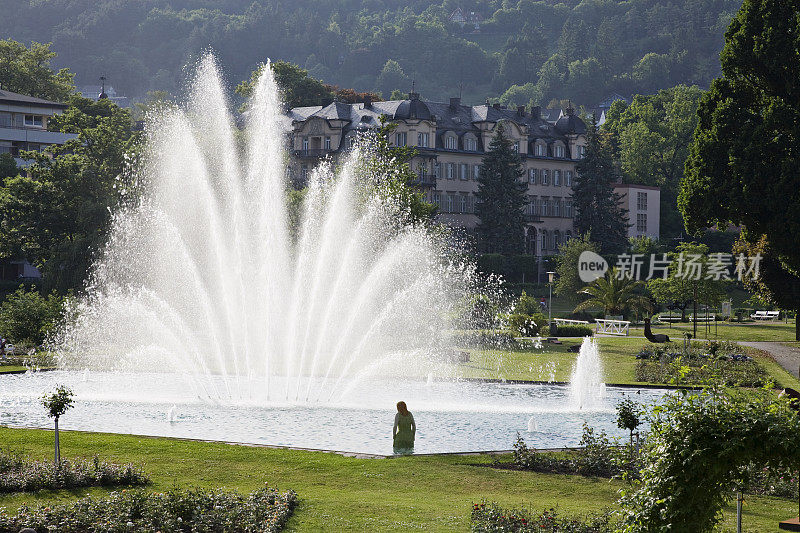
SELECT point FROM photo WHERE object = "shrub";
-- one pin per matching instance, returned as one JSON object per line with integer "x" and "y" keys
{"x": 526, "y": 325}
{"x": 27, "y": 316}
{"x": 139, "y": 511}
{"x": 693, "y": 372}
{"x": 489, "y": 517}
{"x": 19, "y": 474}
{"x": 573, "y": 330}
{"x": 597, "y": 456}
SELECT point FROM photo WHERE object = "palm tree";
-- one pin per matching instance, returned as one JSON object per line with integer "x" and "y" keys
{"x": 614, "y": 295}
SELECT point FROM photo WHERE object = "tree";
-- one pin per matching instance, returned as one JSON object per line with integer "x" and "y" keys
{"x": 8, "y": 166}
{"x": 568, "y": 282}
{"x": 597, "y": 207}
{"x": 27, "y": 71}
{"x": 391, "y": 77}
{"x": 297, "y": 87}
{"x": 742, "y": 166}
{"x": 501, "y": 197}
{"x": 681, "y": 287}
{"x": 26, "y": 316}
{"x": 652, "y": 136}
{"x": 57, "y": 403}
{"x": 614, "y": 295}
{"x": 58, "y": 214}
{"x": 392, "y": 164}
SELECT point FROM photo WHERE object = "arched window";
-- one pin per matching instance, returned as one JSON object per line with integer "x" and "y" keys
{"x": 544, "y": 239}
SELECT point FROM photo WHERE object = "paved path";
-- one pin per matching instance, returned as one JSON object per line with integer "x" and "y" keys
{"x": 787, "y": 356}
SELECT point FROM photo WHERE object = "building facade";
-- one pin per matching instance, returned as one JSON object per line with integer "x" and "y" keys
{"x": 450, "y": 140}
{"x": 23, "y": 124}
{"x": 642, "y": 203}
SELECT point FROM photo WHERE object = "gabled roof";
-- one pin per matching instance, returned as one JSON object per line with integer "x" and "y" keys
{"x": 7, "y": 97}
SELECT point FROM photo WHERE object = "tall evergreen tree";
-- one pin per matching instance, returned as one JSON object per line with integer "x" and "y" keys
{"x": 501, "y": 197}
{"x": 597, "y": 207}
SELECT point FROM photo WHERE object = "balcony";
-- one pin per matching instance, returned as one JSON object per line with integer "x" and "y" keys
{"x": 425, "y": 180}
{"x": 313, "y": 152}
{"x": 532, "y": 219}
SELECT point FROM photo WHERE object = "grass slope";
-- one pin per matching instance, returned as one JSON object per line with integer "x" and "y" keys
{"x": 346, "y": 494}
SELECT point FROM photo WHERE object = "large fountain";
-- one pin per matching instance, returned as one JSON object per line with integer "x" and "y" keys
{"x": 218, "y": 311}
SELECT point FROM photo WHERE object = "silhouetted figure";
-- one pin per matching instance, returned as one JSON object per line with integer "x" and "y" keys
{"x": 794, "y": 397}
{"x": 649, "y": 334}
{"x": 404, "y": 430}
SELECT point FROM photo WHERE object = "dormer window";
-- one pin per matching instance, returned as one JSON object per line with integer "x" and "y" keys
{"x": 559, "y": 151}
{"x": 540, "y": 149}
{"x": 470, "y": 144}
{"x": 516, "y": 146}
{"x": 450, "y": 142}
{"x": 400, "y": 139}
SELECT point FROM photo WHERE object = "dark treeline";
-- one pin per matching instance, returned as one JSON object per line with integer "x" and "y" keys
{"x": 526, "y": 51}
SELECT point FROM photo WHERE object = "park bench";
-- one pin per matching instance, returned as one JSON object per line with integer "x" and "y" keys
{"x": 669, "y": 318}
{"x": 766, "y": 315}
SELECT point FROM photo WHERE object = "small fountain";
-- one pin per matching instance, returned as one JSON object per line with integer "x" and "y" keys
{"x": 586, "y": 386}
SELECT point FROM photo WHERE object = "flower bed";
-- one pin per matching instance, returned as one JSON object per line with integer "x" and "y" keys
{"x": 489, "y": 517}
{"x": 140, "y": 511}
{"x": 18, "y": 474}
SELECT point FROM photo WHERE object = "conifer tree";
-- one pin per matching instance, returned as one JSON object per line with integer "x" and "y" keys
{"x": 501, "y": 197}
{"x": 597, "y": 206}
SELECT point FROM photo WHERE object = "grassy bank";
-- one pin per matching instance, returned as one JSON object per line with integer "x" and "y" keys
{"x": 762, "y": 331}
{"x": 555, "y": 363}
{"x": 346, "y": 494}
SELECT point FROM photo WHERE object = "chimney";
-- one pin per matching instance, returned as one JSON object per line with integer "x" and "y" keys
{"x": 368, "y": 101}
{"x": 455, "y": 102}
{"x": 570, "y": 110}
{"x": 536, "y": 112}
{"x": 521, "y": 110}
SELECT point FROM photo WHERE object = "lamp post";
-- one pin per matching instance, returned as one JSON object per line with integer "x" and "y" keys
{"x": 550, "y": 278}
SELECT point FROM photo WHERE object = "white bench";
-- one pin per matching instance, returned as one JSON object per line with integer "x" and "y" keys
{"x": 766, "y": 315}
{"x": 612, "y": 327}
{"x": 669, "y": 318}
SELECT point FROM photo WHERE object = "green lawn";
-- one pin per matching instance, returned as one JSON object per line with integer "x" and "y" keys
{"x": 4, "y": 369}
{"x": 764, "y": 331}
{"x": 346, "y": 494}
{"x": 554, "y": 363}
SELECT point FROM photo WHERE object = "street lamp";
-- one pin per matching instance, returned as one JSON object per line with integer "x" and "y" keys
{"x": 550, "y": 277}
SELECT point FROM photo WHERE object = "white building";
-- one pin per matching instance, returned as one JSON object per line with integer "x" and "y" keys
{"x": 642, "y": 205}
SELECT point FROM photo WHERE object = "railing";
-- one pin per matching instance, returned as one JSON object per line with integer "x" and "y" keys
{"x": 315, "y": 152}
{"x": 612, "y": 327}
{"x": 567, "y": 321}
{"x": 425, "y": 180}
{"x": 532, "y": 218}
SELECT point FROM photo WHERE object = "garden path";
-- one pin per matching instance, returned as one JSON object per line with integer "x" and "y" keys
{"x": 786, "y": 356}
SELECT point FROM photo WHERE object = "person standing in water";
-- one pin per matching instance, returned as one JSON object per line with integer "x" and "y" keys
{"x": 404, "y": 430}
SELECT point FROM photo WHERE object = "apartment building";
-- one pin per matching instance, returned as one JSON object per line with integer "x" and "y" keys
{"x": 642, "y": 203}
{"x": 23, "y": 124}
{"x": 450, "y": 140}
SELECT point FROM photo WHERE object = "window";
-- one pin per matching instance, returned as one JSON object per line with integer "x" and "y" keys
{"x": 400, "y": 139}
{"x": 463, "y": 206}
{"x": 437, "y": 198}
{"x": 437, "y": 170}
{"x": 532, "y": 176}
{"x": 581, "y": 152}
{"x": 476, "y": 171}
{"x": 450, "y": 142}
{"x": 327, "y": 143}
{"x": 556, "y": 207}
{"x": 470, "y": 203}
{"x": 545, "y": 177}
{"x": 556, "y": 178}
{"x": 305, "y": 144}
{"x": 470, "y": 144}
{"x": 5, "y": 119}
{"x": 568, "y": 208}
{"x": 463, "y": 171}
{"x": 559, "y": 151}
{"x": 641, "y": 222}
{"x": 556, "y": 239}
{"x": 451, "y": 171}
{"x": 540, "y": 149}
{"x": 33, "y": 120}
{"x": 449, "y": 207}
{"x": 544, "y": 239}
{"x": 535, "y": 205}
{"x": 641, "y": 201}
{"x": 569, "y": 179}
{"x": 516, "y": 146}
{"x": 545, "y": 207}
{"x": 422, "y": 140}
